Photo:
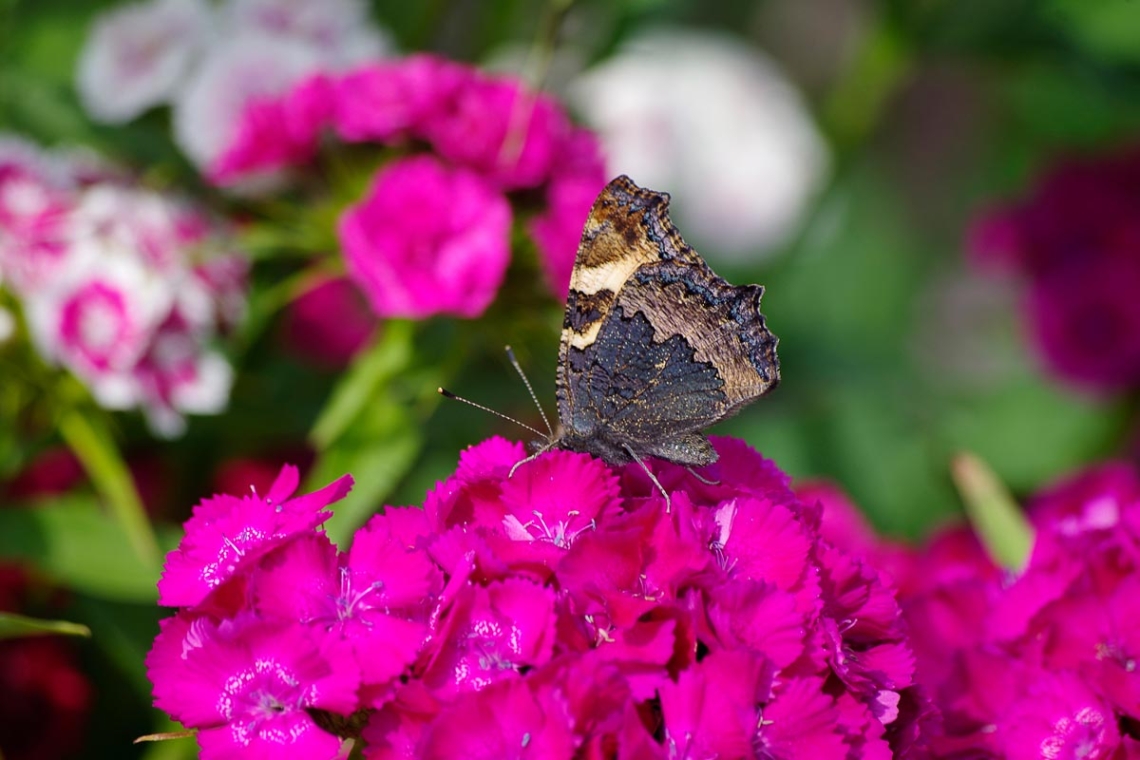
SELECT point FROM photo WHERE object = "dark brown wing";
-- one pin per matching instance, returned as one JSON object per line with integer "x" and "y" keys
{"x": 655, "y": 346}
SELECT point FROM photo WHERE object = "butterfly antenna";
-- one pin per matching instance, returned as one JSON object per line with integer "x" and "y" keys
{"x": 448, "y": 394}
{"x": 526, "y": 382}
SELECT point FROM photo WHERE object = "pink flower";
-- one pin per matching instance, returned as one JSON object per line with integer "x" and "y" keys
{"x": 427, "y": 240}
{"x": 35, "y": 208}
{"x": 1058, "y": 716}
{"x": 329, "y": 323}
{"x": 370, "y": 607}
{"x": 235, "y": 75}
{"x": 275, "y": 132}
{"x": 1075, "y": 242}
{"x": 226, "y": 534}
{"x": 558, "y": 611}
{"x": 505, "y": 720}
{"x": 492, "y": 633}
{"x": 248, "y": 686}
{"x": 392, "y": 100}
{"x": 499, "y": 129}
{"x": 100, "y": 327}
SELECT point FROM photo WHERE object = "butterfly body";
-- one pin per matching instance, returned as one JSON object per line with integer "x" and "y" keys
{"x": 655, "y": 346}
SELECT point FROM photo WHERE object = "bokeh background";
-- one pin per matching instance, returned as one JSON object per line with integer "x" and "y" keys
{"x": 855, "y": 157}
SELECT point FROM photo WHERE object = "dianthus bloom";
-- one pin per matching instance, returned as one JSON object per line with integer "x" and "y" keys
{"x": 428, "y": 239}
{"x": 1074, "y": 243}
{"x": 124, "y": 286}
{"x": 485, "y": 136}
{"x": 564, "y": 611}
{"x": 1041, "y": 661}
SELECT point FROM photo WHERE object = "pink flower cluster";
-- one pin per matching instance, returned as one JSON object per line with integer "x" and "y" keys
{"x": 432, "y": 234}
{"x": 1041, "y": 662}
{"x": 562, "y": 612}
{"x": 122, "y": 285}
{"x": 1076, "y": 243}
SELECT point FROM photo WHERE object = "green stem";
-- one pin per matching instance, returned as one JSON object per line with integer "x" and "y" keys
{"x": 112, "y": 479}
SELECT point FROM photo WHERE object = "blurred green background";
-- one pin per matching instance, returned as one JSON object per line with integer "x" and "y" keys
{"x": 894, "y": 356}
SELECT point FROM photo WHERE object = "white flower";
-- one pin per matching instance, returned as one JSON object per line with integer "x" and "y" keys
{"x": 340, "y": 31}
{"x": 713, "y": 122}
{"x": 235, "y": 73}
{"x": 138, "y": 55}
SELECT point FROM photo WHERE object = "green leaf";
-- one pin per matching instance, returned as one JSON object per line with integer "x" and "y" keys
{"x": 14, "y": 626}
{"x": 995, "y": 515}
{"x": 1030, "y": 430}
{"x": 1109, "y": 29}
{"x": 388, "y": 357}
{"x": 73, "y": 542}
{"x": 93, "y": 445}
{"x": 377, "y": 466}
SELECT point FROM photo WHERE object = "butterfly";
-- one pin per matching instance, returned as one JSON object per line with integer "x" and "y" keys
{"x": 655, "y": 346}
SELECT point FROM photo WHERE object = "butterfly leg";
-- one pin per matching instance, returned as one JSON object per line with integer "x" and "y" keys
{"x": 697, "y": 475}
{"x": 521, "y": 462}
{"x": 656, "y": 482}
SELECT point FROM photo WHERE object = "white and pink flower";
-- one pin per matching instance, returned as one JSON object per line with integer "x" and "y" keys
{"x": 123, "y": 286}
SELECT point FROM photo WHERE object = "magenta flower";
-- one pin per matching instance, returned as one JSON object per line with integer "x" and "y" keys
{"x": 1034, "y": 663}
{"x": 247, "y": 686}
{"x": 370, "y": 607}
{"x": 559, "y": 611}
{"x": 432, "y": 235}
{"x": 391, "y": 101}
{"x": 1058, "y": 716}
{"x": 276, "y": 132}
{"x": 1073, "y": 241}
{"x": 512, "y": 719}
{"x": 427, "y": 239}
{"x": 499, "y": 129}
{"x": 490, "y": 633}
{"x": 329, "y": 323}
{"x": 226, "y": 534}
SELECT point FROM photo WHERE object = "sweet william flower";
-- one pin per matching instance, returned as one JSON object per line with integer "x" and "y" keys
{"x": 137, "y": 55}
{"x": 226, "y": 534}
{"x": 329, "y": 323}
{"x": 124, "y": 286}
{"x": 500, "y": 129}
{"x": 339, "y": 29}
{"x": 247, "y": 686}
{"x": 370, "y": 606}
{"x": 610, "y": 628}
{"x": 1074, "y": 243}
{"x": 274, "y": 132}
{"x": 390, "y": 101}
{"x": 427, "y": 239}
{"x": 237, "y": 73}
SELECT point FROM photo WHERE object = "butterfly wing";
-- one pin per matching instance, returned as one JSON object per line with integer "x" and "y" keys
{"x": 655, "y": 346}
